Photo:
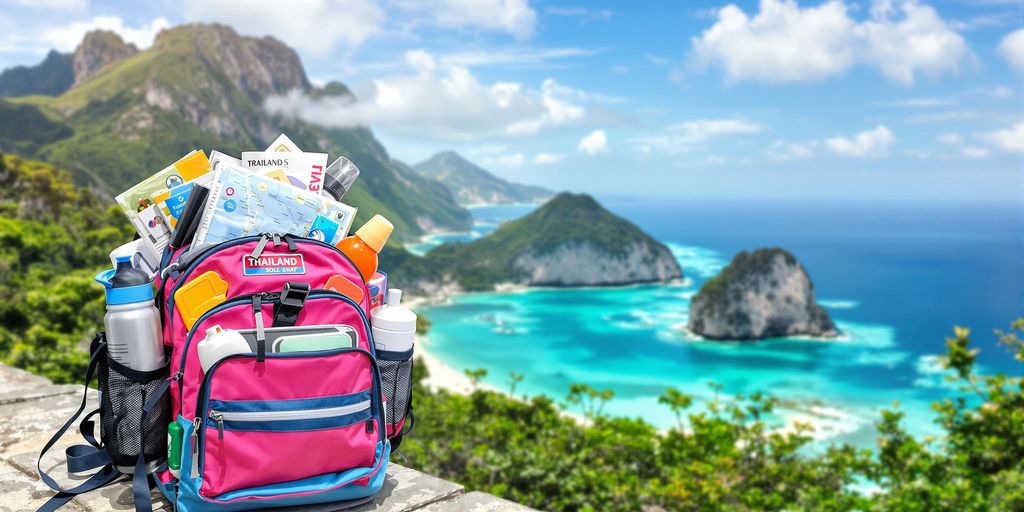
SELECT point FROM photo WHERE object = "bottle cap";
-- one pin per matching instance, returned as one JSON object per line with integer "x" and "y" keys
{"x": 339, "y": 177}
{"x": 210, "y": 331}
{"x": 376, "y": 232}
{"x": 393, "y": 316}
{"x": 116, "y": 294}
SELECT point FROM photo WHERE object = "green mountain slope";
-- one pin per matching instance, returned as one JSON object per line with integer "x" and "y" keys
{"x": 202, "y": 86}
{"x": 569, "y": 241}
{"x": 53, "y": 75}
{"x": 470, "y": 184}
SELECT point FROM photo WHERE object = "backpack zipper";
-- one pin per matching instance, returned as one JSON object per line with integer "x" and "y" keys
{"x": 302, "y": 414}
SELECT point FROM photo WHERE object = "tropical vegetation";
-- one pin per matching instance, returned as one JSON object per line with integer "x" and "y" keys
{"x": 726, "y": 455}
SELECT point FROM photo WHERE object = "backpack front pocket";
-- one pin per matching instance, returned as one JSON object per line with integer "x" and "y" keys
{"x": 256, "y": 430}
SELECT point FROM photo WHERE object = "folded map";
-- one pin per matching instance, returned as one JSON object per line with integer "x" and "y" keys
{"x": 242, "y": 203}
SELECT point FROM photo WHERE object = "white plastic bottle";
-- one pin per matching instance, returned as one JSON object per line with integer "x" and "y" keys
{"x": 393, "y": 325}
{"x": 218, "y": 344}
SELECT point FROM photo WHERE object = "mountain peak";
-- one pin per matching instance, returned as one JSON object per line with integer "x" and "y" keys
{"x": 99, "y": 49}
{"x": 259, "y": 66}
{"x": 567, "y": 201}
{"x": 51, "y": 77}
{"x": 569, "y": 241}
{"x": 471, "y": 184}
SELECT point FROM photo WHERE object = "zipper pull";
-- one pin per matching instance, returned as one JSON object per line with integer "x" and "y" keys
{"x": 196, "y": 424}
{"x": 288, "y": 239}
{"x": 219, "y": 418}
{"x": 261, "y": 337}
{"x": 177, "y": 376}
{"x": 369, "y": 426}
{"x": 277, "y": 239}
{"x": 258, "y": 250}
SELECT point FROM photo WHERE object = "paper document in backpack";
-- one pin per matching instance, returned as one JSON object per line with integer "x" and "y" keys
{"x": 284, "y": 161}
{"x": 242, "y": 204}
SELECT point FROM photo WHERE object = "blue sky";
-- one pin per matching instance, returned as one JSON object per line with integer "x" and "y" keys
{"x": 868, "y": 100}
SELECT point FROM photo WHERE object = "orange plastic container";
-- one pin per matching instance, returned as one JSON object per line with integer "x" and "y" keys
{"x": 362, "y": 248}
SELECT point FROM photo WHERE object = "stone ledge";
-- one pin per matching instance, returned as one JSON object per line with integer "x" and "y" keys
{"x": 32, "y": 409}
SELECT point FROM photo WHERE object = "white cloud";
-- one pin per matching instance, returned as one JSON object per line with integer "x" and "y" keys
{"x": 689, "y": 135}
{"x": 1001, "y": 19}
{"x": 952, "y": 139}
{"x": 510, "y": 160}
{"x": 1011, "y": 47}
{"x": 593, "y": 143}
{"x": 547, "y": 158}
{"x": 1000, "y": 92}
{"x": 442, "y": 101}
{"x": 582, "y": 13}
{"x": 1009, "y": 140}
{"x": 947, "y": 116}
{"x": 781, "y": 43}
{"x": 872, "y": 143}
{"x": 316, "y": 26}
{"x": 54, "y": 4}
{"x": 519, "y": 56}
{"x": 783, "y": 150}
{"x": 918, "y": 42}
{"x": 65, "y": 38}
{"x": 514, "y": 17}
{"x": 919, "y": 103}
{"x": 321, "y": 27}
{"x": 657, "y": 60}
{"x": 974, "y": 152}
{"x": 785, "y": 43}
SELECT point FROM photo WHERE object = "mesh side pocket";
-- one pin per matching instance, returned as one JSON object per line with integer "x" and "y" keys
{"x": 124, "y": 392}
{"x": 396, "y": 383}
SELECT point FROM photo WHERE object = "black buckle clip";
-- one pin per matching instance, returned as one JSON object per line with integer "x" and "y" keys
{"x": 293, "y": 297}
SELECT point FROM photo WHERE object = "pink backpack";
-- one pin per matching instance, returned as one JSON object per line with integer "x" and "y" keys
{"x": 266, "y": 428}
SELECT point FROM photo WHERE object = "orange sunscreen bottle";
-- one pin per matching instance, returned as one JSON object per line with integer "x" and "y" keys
{"x": 362, "y": 248}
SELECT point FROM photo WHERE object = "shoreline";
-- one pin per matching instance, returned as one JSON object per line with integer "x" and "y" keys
{"x": 441, "y": 375}
{"x": 827, "y": 421}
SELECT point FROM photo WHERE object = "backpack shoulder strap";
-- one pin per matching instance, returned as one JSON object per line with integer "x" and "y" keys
{"x": 140, "y": 477}
{"x": 83, "y": 457}
{"x": 80, "y": 458}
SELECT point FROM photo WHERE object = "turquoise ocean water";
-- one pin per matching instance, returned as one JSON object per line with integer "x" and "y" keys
{"x": 894, "y": 278}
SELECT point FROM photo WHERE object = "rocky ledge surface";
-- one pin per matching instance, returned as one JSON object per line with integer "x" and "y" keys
{"x": 32, "y": 408}
{"x": 762, "y": 294}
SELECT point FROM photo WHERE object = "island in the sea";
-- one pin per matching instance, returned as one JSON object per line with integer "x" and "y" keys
{"x": 761, "y": 294}
{"x": 569, "y": 241}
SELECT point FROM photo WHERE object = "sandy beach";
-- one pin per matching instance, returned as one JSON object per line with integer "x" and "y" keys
{"x": 440, "y": 375}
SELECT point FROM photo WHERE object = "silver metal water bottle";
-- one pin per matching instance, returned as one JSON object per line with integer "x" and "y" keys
{"x": 132, "y": 320}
